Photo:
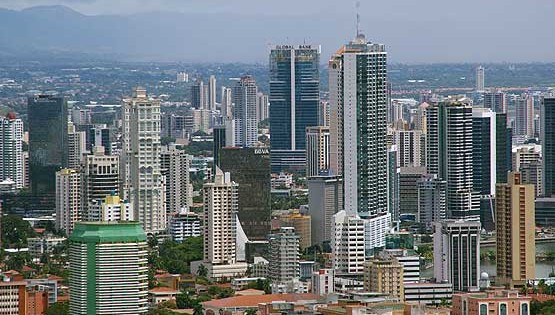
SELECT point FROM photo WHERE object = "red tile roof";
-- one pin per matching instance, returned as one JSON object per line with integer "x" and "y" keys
{"x": 254, "y": 300}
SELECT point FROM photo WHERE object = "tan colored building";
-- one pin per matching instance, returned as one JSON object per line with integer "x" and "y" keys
{"x": 384, "y": 276}
{"x": 301, "y": 223}
{"x": 515, "y": 224}
{"x": 491, "y": 302}
{"x": 13, "y": 297}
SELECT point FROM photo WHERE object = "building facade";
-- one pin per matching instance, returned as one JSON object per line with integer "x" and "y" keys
{"x": 317, "y": 150}
{"x": 244, "y": 112}
{"x": 384, "y": 276}
{"x": 547, "y": 138}
{"x": 325, "y": 198}
{"x": 11, "y": 150}
{"x": 69, "y": 208}
{"x": 100, "y": 177}
{"x": 175, "y": 166}
{"x": 284, "y": 255}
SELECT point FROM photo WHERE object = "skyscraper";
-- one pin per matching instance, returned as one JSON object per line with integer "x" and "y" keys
{"x": 515, "y": 230}
{"x": 358, "y": 105}
{"x": 244, "y": 112}
{"x": 325, "y": 198}
{"x": 410, "y": 147}
{"x": 484, "y": 143}
{"x": 48, "y": 118}
{"x": 211, "y": 93}
{"x": 226, "y": 103}
{"x": 100, "y": 177}
{"x": 11, "y": 154}
{"x": 457, "y": 253}
{"x": 262, "y": 107}
{"x": 294, "y": 102}
{"x": 348, "y": 243}
{"x": 503, "y": 137}
{"x": 69, "y": 208}
{"x": 221, "y": 204}
{"x": 175, "y": 166}
{"x": 199, "y": 97}
{"x": 496, "y": 101}
{"x": 250, "y": 169}
{"x": 480, "y": 78}
{"x": 449, "y": 156}
{"x": 76, "y": 146}
{"x": 108, "y": 272}
{"x": 547, "y": 135}
{"x": 142, "y": 180}
{"x": 524, "y": 116}
{"x": 284, "y": 255}
{"x": 431, "y": 200}
{"x": 317, "y": 150}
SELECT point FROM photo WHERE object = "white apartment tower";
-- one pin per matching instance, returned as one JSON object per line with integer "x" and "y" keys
{"x": 11, "y": 154}
{"x": 220, "y": 227}
{"x": 226, "y": 103}
{"x": 100, "y": 177}
{"x": 524, "y": 116}
{"x": 76, "y": 146}
{"x": 480, "y": 78}
{"x": 244, "y": 112}
{"x": 348, "y": 244}
{"x": 142, "y": 180}
{"x": 262, "y": 107}
{"x": 317, "y": 150}
{"x": 68, "y": 199}
{"x": 212, "y": 93}
{"x": 175, "y": 166}
{"x": 111, "y": 208}
{"x": 284, "y": 255}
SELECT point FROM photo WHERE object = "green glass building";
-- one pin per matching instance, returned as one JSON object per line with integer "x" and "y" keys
{"x": 108, "y": 272}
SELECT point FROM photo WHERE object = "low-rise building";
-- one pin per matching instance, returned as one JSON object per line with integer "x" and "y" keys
{"x": 39, "y": 246}
{"x": 384, "y": 276}
{"x": 428, "y": 293}
{"x": 13, "y": 297}
{"x": 239, "y": 284}
{"x": 238, "y": 305}
{"x": 183, "y": 225}
{"x": 323, "y": 281}
{"x": 161, "y": 294}
{"x": 502, "y": 302}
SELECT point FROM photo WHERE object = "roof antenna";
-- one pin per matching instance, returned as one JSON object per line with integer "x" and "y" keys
{"x": 358, "y": 17}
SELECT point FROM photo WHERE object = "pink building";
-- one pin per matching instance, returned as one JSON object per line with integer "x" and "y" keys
{"x": 500, "y": 302}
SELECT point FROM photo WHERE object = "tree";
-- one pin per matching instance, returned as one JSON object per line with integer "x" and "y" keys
{"x": 15, "y": 231}
{"x": 202, "y": 271}
{"x": 59, "y": 308}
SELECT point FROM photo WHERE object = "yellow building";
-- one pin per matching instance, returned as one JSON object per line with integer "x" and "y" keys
{"x": 384, "y": 276}
{"x": 301, "y": 223}
{"x": 515, "y": 209}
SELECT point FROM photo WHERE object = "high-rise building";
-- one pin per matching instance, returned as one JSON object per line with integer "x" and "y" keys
{"x": 284, "y": 255}
{"x": 503, "y": 137}
{"x": 11, "y": 154}
{"x": 227, "y": 103}
{"x": 14, "y": 297}
{"x": 199, "y": 99}
{"x": 175, "y": 166}
{"x": 410, "y": 147}
{"x": 457, "y": 253}
{"x": 384, "y": 276}
{"x": 294, "y": 102}
{"x": 393, "y": 185}
{"x": 48, "y": 119}
{"x": 317, "y": 150}
{"x": 323, "y": 282}
{"x": 111, "y": 208}
{"x": 183, "y": 225}
{"x": 431, "y": 200}
{"x": 142, "y": 180}
{"x": 76, "y": 146}
{"x": 358, "y": 131}
{"x": 496, "y": 101}
{"x": 547, "y": 135}
{"x": 108, "y": 272}
{"x": 524, "y": 116}
{"x": 302, "y": 225}
{"x": 100, "y": 177}
{"x": 527, "y": 160}
{"x": 250, "y": 168}
{"x": 262, "y": 107}
{"x": 69, "y": 207}
{"x": 480, "y": 79}
{"x": 100, "y": 135}
{"x": 325, "y": 198}
{"x": 408, "y": 192}
{"x": 221, "y": 204}
{"x": 348, "y": 243}
{"x": 449, "y": 155}
{"x": 484, "y": 152}
{"x": 244, "y": 112}
{"x": 515, "y": 230}
{"x": 211, "y": 93}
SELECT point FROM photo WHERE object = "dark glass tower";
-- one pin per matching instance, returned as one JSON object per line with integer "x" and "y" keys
{"x": 250, "y": 168}
{"x": 547, "y": 132}
{"x": 48, "y": 118}
{"x": 294, "y": 103}
{"x": 504, "y": 142}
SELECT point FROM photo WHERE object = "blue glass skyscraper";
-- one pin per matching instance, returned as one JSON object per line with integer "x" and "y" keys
{"x": 294, "y": 103}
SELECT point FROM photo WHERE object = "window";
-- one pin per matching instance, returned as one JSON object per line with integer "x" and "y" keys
{"x": 503, "y": 309}
{"x": 524, "y": 309}
{"x": 483, "y": 309}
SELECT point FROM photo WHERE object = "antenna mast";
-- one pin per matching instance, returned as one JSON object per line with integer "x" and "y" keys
{"x": 358, "y": 17}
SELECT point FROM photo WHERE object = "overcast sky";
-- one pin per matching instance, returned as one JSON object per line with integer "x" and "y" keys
{"x": 414, "y": 30}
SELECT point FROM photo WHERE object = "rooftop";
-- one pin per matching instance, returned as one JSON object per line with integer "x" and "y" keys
{"x": 106, "y": 232}
{"x": 253, "y": 301}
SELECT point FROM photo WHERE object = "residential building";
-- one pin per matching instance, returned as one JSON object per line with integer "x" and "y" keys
{"x": 226, "y": 103}
{"x": 100, "y": 177}
{"x": 184, "y": 224}
{"x": 302, "y": 225}
{"x": 221, "y": 204}
{"x": 11, "y": 142}
{"x": 161, "y": 294}
{"x": 323, "y": 282}
{"x": 547, "y": 139}
{"x": 484, "y": 150}
{"x": 175, "y": 165}
{"x": 410, "y": 146}
{"x": 111, "y": 208}
{"x": 431, "y": 200}
{"x": 48, "y": 120}
{"x": 515, "y": 225}
{"x": 480, "y": 78}
{"x": 317, "y": 150}
{"x": 325, "y": 198}
{"x": 284, "y": 255}
{"x": 496, "y": 101}
{"x": 36, "y": 300}
{"x": 503, "y": 136}
{"x": 502, "y": 302}
{"x": 384, "y": 276}
{"x": 408, "y": 188}
{"x": 39, "y": 246}
{"x": 524, "y": 116}
{"x": 69, "y": 208}
{"x": 76, "y": 146}
{"x": 13, "y": 296}
{"x": 430, "y": 293}
{"x": 244, "y": 112}
{"x": 457, "y": 253}
{"x": 211, "y": 93}
{"x": 449, "y": 156}
{"x": 141, "y": 177}
{"x": 348, "y": 243}
{"x": 262, "y": 107}
{"x": 250, "y": 169}
{"x": 393, "y": 185}
{"x": 101, "y": 136}
{"x": 199, "y": 95}
{"x": 108, "y": 272}
{"x": 294, "y": 103}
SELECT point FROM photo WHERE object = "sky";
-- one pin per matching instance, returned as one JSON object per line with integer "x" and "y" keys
{"x": 417, "y": 31}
